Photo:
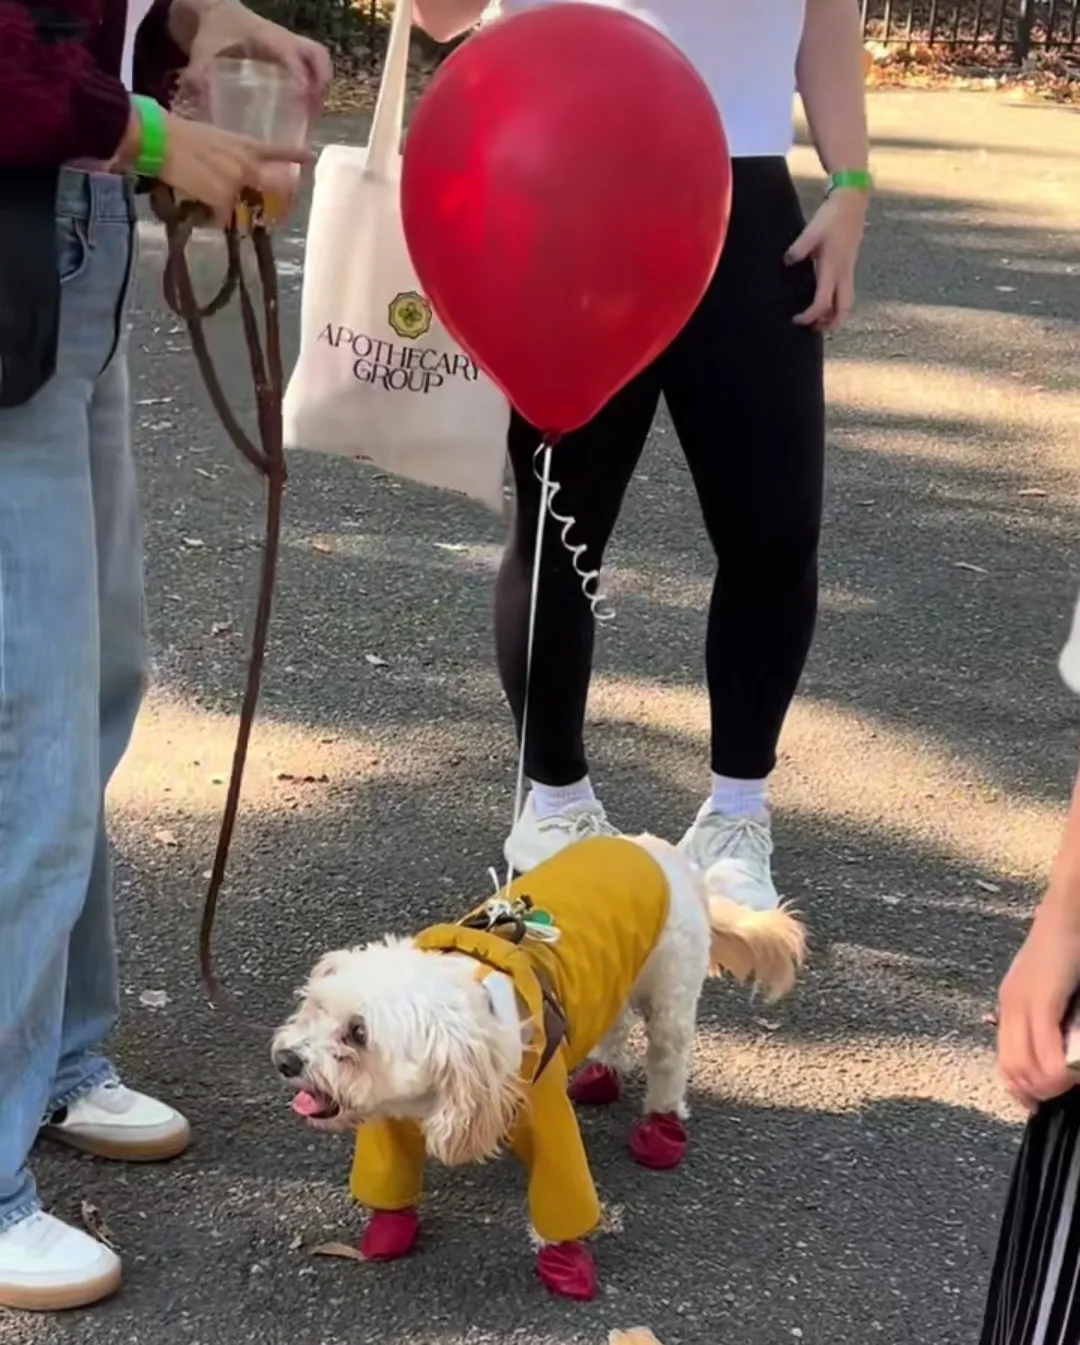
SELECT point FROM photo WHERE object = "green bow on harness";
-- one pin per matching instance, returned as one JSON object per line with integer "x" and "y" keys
{"x": 515, "y": 920}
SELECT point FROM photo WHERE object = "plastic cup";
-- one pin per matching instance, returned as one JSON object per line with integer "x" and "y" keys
{"x": 260, "y": 100}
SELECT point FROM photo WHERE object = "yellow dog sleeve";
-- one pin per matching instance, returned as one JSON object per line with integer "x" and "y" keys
{"x": 388, "y": 1165}
{"x": 563, "y": 1202}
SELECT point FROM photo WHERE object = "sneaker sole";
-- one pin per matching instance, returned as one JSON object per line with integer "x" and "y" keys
{"x": 61, "y": 1298}
{"x": 158, "y": 1149}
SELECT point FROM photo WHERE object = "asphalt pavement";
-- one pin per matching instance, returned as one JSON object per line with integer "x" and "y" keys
{"x": 850, "y": 1148}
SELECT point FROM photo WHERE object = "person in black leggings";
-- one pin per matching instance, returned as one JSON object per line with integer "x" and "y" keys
{"x": 743, "y": 384}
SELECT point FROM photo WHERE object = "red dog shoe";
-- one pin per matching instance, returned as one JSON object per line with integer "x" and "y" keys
{"x": 659, "y": 1141}
{"x": 567, "y": 1269}
{"x": 389, "y": 1234}
{"x": 595, "y": 1085}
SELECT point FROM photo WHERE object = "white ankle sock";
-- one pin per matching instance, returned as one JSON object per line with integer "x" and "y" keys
{"x": 739, "y": 798}
{"x": 550, "y": 800}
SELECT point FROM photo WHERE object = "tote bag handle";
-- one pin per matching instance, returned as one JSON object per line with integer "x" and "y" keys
{"x": 384, "y": 144}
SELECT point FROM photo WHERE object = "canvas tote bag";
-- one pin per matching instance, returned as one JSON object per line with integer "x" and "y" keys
{"x": 378, "y": 377}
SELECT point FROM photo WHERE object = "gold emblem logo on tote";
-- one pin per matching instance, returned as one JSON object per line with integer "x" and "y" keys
{"x": 410, "y": 315}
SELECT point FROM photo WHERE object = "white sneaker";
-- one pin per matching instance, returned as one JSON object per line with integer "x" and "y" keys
{"x": 47, "y": 1266}
{"x": 114, "y": 1122}
{"x": 734, "y": 853}
{"x": 535, "y": 839}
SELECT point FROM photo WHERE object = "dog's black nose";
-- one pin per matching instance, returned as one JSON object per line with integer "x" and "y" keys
{"x": 290, "y": 1065}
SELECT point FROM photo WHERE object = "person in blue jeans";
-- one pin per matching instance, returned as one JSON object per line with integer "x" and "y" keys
{"x": 72, "y": 656}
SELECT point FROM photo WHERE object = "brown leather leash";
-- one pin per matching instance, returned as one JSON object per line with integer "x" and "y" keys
{"x": 267, "y": 457}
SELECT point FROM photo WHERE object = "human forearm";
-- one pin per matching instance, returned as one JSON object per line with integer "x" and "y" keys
{"x": 446, "y": 19}
{"x": 185, "y": 16}
{"x": 1063, "y": 895}
{"x": 830, "y": 79}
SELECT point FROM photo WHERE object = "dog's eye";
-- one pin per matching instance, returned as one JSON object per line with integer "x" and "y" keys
{"x": 357, "y": 1033}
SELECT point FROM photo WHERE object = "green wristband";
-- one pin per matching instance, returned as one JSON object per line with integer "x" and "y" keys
{"x": 154, "y": 144}
{"x": 853, "y": 179}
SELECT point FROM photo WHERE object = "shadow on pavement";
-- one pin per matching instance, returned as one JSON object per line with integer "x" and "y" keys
{"x": 818, "y": 1215}
{"x": 874, "y": 1224}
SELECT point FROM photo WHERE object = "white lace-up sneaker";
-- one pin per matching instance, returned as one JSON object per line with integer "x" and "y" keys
{"x": 48, "y": 1266}
{"x": 734, "y": 853}
{"x": 114, "y": 1122}
{"x": 535, "y": 839}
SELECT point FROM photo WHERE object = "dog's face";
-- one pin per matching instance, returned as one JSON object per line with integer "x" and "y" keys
{"x": 390, "y": 1031}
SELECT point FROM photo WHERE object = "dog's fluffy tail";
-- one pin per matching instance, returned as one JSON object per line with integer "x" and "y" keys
{"x": 763, "y": 948}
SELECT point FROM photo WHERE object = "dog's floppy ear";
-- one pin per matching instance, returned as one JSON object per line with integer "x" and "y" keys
{"x": 476, "y": 1100}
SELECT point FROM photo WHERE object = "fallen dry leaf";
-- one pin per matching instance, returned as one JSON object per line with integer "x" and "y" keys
{"x": 375, "y": 660}
{"x": 323, "y": 548}
{"x": 1032, "y": 493}
{"x": 96, "y": 1226}
{"x": 341, "y": 1250}
{"x": 641, "y": 1335}
{"x": 987, "y": 887}
{"x": 154, "y": 999}
{"x": 967, "y": 565}
{"x": 194, "y": 542}
{"x": 166, "y": 838}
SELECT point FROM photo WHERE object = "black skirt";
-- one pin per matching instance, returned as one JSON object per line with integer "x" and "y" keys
{"x": 1035, "y": 1287}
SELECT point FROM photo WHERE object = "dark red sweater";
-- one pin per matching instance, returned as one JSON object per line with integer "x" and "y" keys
{"x": 61, "y": 96}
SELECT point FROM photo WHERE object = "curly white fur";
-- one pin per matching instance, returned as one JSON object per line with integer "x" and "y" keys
{"x": 388, "y": 1030}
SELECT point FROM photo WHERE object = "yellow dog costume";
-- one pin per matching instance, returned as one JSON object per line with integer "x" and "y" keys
{"x": 608, "y": 900}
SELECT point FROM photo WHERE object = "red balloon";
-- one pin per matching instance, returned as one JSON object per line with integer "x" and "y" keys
{"x": 565, "y": 193}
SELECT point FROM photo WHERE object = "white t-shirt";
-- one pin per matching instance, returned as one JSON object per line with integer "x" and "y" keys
{"x": 745, "y": 51}
{"x": 137, "y": 11}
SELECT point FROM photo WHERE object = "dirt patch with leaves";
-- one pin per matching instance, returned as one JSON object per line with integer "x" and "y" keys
{"x": 1049, "y": 75}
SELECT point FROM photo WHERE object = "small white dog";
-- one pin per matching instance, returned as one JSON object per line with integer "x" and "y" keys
{"x": 462, "y": 1039}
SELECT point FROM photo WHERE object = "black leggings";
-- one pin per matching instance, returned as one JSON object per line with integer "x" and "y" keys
{"x": 744, "y": 389}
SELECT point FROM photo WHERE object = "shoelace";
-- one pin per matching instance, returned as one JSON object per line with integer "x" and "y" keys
{"x": 746, "y": 838}
{"x": 588, "y": 822}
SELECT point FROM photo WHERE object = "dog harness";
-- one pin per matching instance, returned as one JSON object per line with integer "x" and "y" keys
{"x": 603, "y": 904}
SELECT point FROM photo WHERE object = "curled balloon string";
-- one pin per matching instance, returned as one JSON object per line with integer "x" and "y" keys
{"x": 590, "y": 579}
{"x": 589, "y": 586}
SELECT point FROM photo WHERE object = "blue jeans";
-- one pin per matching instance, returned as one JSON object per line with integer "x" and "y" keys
{"x": 71, "y": 679}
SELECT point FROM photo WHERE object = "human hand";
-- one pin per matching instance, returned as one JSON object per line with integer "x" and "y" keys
{"x": 1033, "y": 1001}
{"x": 228, "y": 28}
{"x": 209, "y": 165}
{"x": 832, "y": 239}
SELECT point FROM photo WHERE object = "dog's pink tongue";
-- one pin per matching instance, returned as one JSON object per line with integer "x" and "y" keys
{"x": 306, "y": 1104}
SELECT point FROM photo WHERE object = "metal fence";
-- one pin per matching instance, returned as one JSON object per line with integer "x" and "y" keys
{"x": 1016, "y": 27}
